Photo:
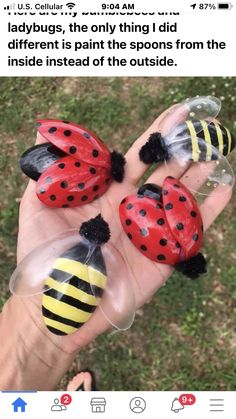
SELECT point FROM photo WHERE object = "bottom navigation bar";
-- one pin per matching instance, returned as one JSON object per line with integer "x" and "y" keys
{"x": 164, "y": 405}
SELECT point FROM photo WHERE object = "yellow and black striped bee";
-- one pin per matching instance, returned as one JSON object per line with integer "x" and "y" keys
{"x": 194, "y": 138}
{"x": 218, "y": 140}
{"x": 73, "y": 274}
{"x": 75, "y": 279}
{"x": 75, "y": 285}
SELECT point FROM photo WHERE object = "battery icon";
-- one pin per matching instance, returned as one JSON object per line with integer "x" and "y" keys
{"x": 225, "y": 6}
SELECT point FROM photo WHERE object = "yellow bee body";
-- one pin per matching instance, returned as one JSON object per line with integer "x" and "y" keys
{"x": 212, "y": 133}
{"x": 73, "y": 289}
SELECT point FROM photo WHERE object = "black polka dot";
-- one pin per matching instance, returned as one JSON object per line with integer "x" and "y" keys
{"x": 129, "y": 206}
{"x": 70, "y": 198}
{"x": 66, "y": 122}
{"x": 159, "y": 206}
{"x": 95, "y": 153}
{"x": 195, "y": 237}
{"x": 176, "y": 186}
{"x": 48, "y": 179}
{"x": 182, "y": 198}
{"x": 84, "y": 198}
{"x": 67, "y": 133}
{"x": 65, "y": 206}
{"x": 81, "y": 185}
{"x": 168, "y": 206}
{"x": 72, "y": 149}
{"x": 177, "y": 245}
{"x": 128, "y": 222}
{"x": 86, "y": 135}
{"x": 160, "y": 221}
{"x": 143, "y": 247}
{"x": 142, "y": 212}
{"x": 77, "y": 164}
{"x": 193, "y": 214}
{"x": 95, "y": 188}
{"x": 161, "y": 257}
{"x": 123, "y": 201}
{"x": 64, "y": 184}
{"x": 143, "y": 232}
{"x": 52, "y": 130}
{"x": 92, "y": 170}
{"x": 42, "y": 190}
{"x": 180, "y": 226}
{"x": 163, "y": 242}
{"x": 107, "y": 181}
{"x": 165, "y": 192}
{"x": 61, "y": 165}
{"x": 53, "y": 197}
{"x": 130, "y": 236}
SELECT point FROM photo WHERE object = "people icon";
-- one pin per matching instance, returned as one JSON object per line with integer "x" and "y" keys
{"x": 137, "y": 405}
{"x": 56, "y": 407}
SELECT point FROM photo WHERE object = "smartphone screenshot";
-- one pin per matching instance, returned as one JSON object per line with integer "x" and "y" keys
{"x": 117, "y": 209}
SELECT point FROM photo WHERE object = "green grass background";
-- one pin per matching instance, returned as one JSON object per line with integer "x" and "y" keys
{"x": 186, "y": 336}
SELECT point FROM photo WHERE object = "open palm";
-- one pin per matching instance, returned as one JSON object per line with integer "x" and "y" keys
{"x": 39, "y": 224}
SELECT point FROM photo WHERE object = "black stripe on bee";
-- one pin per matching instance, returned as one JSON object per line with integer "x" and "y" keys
{"x": 50, "y": 315}
{"x": 200, "y": 134}
{"x": 56, "y": 331}
{"x": 71, "y": 301}
{"x": 76, "y": 282}
{"x": 225, "y": 140}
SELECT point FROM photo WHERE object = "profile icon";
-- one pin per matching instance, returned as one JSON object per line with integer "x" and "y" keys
{"x": 137, "y": 405}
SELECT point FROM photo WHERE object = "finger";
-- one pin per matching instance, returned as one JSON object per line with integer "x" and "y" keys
{"x": 96, "y": 325}
{"x": 205, "y": 179}
{"x": 135, "y": 168}
{"x": 40, "y": 139}
{"x": 170, "y": 168}
{"x": 197, "y": 174}
{"x": 214, "y": 204}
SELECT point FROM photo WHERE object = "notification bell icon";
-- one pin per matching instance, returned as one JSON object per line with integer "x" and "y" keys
{"x": 176, "y": 405}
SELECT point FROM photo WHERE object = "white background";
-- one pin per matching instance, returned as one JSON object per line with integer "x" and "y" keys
{"x": 194, "y": 25}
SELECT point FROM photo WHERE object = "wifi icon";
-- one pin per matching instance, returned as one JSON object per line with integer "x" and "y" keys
{"x": 70, "y": 5}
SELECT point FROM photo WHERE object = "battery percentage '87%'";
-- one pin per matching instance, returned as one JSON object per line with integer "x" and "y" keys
{"x": 207, "y": 6}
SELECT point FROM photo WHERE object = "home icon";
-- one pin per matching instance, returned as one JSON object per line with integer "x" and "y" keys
{"x": 19, "y": 405}
{"x": 98, "y": 404}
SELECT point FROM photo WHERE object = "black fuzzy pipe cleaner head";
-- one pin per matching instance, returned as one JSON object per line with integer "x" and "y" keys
{"x": 96, "y": 230}
{"x": 154, "y": 150}
{"x": 192, "y": 267}
{"x": 117, "y": 166}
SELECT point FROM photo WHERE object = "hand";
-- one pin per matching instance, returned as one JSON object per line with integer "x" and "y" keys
{"x": 38, "y": 224}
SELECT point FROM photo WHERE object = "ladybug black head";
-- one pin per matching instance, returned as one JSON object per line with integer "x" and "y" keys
{"x": 96, "y": 230}
{"x": 192, "y": 267}
{"x": 117, "y": 166}
{"x": 151, "y": 191}
{"x": 154, "y": 151}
